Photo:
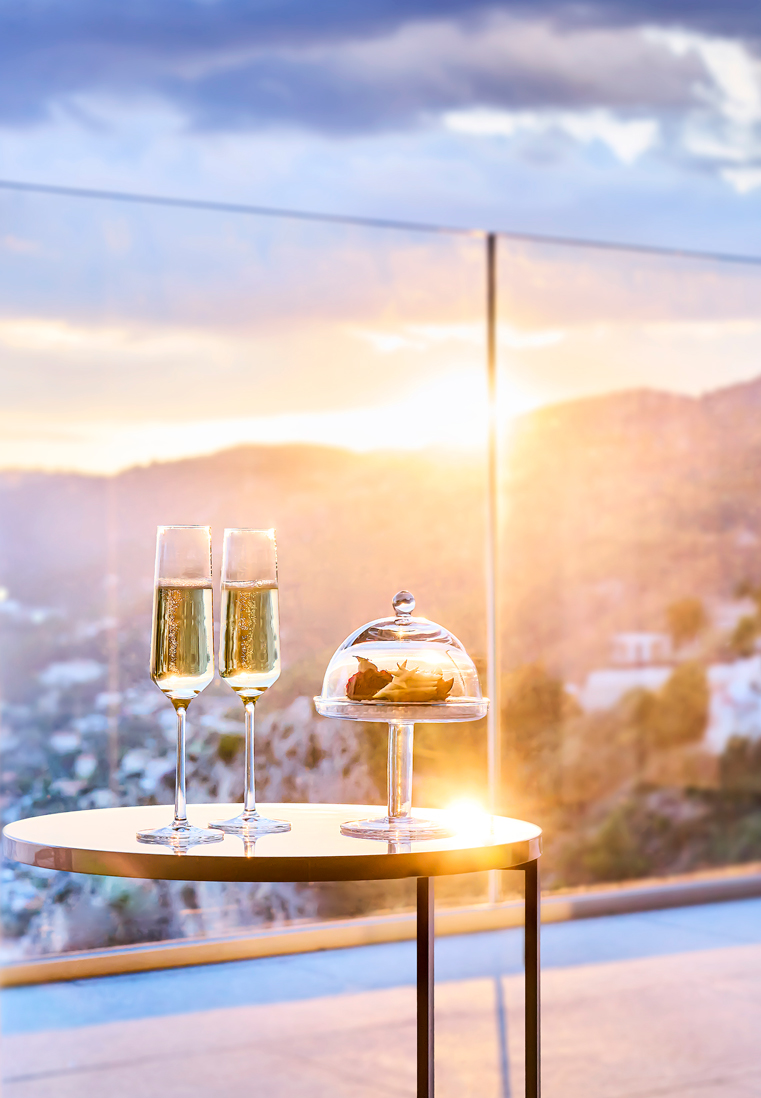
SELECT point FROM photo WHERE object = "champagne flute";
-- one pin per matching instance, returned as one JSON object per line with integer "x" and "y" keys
{"x": 249, "y": 649}
{"x": 182, "y": 652}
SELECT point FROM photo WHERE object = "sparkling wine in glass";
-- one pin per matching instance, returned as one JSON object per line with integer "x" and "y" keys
{"x": 182, "y": 652}
{"x": 249, "y": 649}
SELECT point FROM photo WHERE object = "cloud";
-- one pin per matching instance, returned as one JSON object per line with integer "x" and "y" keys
{"x": 423, "y": 337}
{"x": 616, "y": 73}
{"x": 503, "y": 88}
{"x": 627, "y": 139}
{"x": 723, "y": 128}
{"x": 635, "y": 78}
{"x": 744, "y": 180}
{"x": 335, "y": 67}
{"x": 424, "y": 68}
{"x": 730, "y": 19}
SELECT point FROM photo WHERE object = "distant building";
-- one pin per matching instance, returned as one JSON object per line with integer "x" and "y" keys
{"x": 640, "y": 649}
{"x": 640, "y": 660}
{"x": 735, "y": 702}
{"x": 734, "y": 708}
{"x": 727, "y": 613}
{"x": 604, "y": 688}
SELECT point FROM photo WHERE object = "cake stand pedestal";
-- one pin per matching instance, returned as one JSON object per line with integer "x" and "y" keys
{"x": 399, "y": 825}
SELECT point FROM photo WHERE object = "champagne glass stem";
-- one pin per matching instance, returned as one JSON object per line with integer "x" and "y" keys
{"x": 249, "y": 823}
{"x": 181, "y": 834}
{"x": 400, "y": 735}
{"x": 249, "y": 796}
{"x": 180, "y": 799}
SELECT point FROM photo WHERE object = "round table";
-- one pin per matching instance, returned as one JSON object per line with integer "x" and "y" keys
{"x": 103, "y": 841}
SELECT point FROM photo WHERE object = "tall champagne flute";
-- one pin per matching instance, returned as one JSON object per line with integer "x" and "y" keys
{"x": 182, "y": 652}
{"x": 249, "y": 649}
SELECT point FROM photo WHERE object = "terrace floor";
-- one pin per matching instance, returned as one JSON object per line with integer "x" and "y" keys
{"x": 664, "y": 1004}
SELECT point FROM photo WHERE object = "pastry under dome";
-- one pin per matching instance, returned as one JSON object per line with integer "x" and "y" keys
{"x": 402, "y": 668}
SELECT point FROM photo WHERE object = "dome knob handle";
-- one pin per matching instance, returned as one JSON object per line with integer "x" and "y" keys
{"x": 403, "y": 603}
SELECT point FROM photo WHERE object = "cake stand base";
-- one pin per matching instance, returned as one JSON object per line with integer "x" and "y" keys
{"x": 395, "y": 829}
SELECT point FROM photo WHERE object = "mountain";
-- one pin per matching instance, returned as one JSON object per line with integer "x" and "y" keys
{"x": 352, "y": 530}
{"x": 613, "y": 506}
{"x": 617, "y": 505}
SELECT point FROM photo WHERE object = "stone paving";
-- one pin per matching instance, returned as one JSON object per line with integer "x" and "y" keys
{"x": 642, "y": 1006}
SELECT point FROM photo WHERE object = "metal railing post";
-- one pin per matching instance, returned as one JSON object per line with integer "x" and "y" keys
{"x": 493, "y": 720}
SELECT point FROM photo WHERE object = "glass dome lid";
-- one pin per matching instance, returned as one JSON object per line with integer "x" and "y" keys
{"x": 402, "y": 668}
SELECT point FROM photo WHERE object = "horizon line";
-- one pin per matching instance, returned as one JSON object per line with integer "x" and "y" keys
{"x": 432, "y": 447}
{"x": 398, "y": 451}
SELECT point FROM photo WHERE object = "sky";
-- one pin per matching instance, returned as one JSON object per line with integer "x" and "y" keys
{"x": 629, "y": 120}
{"x": 129, "y": 334}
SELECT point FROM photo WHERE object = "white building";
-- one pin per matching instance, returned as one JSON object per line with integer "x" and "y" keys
{"x": 638, "y": 659}
{"x": 726, "y": 613}
{"x": 604, "y": 688}
{"x": 640, "y": 649}
{"x": 735, "y": 702}
{"x": 735, "y": 705}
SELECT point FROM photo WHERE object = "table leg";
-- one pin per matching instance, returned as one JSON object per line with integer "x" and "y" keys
{"x": 531, "y": 964}
{"x": 425, "y": 935}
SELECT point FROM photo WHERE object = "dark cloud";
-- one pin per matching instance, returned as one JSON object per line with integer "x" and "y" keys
{"x": 426, "y": 69}
{"x": 730, "y": 18}
{"x": 342, "y": 66}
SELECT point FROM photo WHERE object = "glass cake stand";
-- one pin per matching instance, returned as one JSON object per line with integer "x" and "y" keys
{"x": 401, "y": 671}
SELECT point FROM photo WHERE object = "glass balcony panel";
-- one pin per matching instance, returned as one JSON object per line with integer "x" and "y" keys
{"x": 629, "y": 569}
{"x": 172, "y": 365}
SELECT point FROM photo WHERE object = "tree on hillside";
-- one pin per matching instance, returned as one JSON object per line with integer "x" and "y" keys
{"x": 536, "y": 706}
{"x": 599, "y": 756}
{"x": 680, "y": 715}
{"x": 639, "y": 708}
{"x": 740, "y": 766}
{"x": 743, "y": 639}
{"x": 746, "y": 589}
{"x": 686, "y": 619}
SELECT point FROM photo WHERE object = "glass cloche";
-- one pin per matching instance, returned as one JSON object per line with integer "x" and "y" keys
{"x": 400, "y": 671}
{"x": 402, "y": 668}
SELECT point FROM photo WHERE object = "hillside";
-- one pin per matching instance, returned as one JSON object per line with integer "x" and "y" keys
{"x": 613, "y": 506}
{"x": 617, "y": 505}
{"x": 352, "y": 529}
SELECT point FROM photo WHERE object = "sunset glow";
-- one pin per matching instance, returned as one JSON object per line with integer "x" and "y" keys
{"x": 188, "y": 343}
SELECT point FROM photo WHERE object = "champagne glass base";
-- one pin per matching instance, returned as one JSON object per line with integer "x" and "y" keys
{"x": 251, "y": 826}
{"x": 397, "y": 829}
{"x": 179, "y": 837}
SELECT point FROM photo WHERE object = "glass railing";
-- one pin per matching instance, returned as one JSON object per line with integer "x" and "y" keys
{"x": 630, "y": 577}
{"x": 167, "y": 365}
{"x": 172, "y": 363}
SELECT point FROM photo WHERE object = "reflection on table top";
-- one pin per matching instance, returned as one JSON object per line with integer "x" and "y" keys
{"x": 103, "y": 841}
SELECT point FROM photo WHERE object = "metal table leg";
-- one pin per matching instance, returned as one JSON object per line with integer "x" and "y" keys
{"x": 531, "y": 964}
{"x": 425, "y": 935}
{"x": 425, "y": 939}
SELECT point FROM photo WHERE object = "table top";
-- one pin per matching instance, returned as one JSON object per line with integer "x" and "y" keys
{"x": 103, "y": 841}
